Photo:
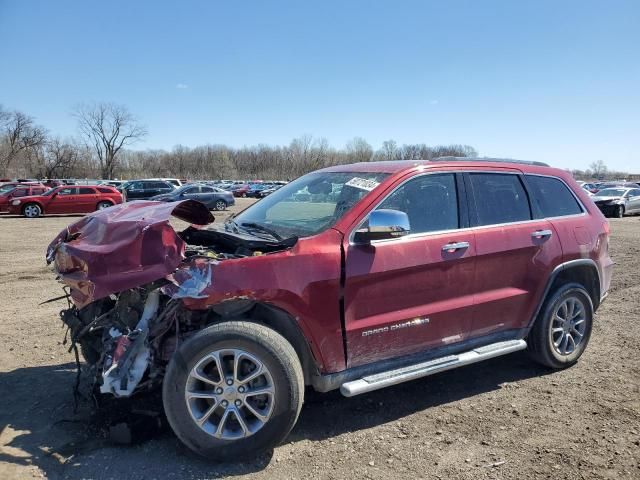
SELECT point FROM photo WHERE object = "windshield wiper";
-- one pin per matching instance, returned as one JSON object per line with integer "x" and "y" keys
{"x": 261, "y": 228}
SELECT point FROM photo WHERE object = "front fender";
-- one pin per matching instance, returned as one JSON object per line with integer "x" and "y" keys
{"x": 304, "y": 281}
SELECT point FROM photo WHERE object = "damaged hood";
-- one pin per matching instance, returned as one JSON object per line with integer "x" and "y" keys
{"x": 122, "y": 247}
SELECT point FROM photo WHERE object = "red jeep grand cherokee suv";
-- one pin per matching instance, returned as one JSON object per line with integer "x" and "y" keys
{"x": 354, "y": 277}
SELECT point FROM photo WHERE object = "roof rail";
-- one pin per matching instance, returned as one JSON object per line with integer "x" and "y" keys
{"x": 487, "y": 159}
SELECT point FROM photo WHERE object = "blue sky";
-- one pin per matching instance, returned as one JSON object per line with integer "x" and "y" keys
{"x": 557, "y": 81}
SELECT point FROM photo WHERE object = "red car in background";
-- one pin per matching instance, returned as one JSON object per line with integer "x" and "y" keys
{"x": 66, "y": 199}
{"x": 10, "y": 191}
{"x": 240, "y": 190}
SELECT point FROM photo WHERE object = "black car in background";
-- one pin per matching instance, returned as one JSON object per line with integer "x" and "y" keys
{"x": 145, "y": 189}
{"x": 214, "y": 198}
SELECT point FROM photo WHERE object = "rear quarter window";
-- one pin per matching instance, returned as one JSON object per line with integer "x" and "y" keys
{"x": 551, "y": 197}
{"x": 104, "y": 190}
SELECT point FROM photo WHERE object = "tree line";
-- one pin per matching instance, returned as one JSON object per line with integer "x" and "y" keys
{"x": 106, "y": 132}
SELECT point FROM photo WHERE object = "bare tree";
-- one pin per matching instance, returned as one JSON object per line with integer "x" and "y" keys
{"x": 598, "y": 169}
{"x": 389, "y": 150}
{"x": 18, "y": 134}
{"x": 60, "y": 158}
{"x": 108, "y": 127}
{"x": 359, "y": 150}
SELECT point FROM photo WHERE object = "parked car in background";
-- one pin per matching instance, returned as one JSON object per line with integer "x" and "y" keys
{"x": 589, "y": 187}
{"x": 618, "y": 201}
{"x": 18, "y": 191}
{"x": 9, "y": 185}
{"x": 240, "y": 190}
{"x": 66, "y": 199}
{"x": 255, "y": 189}
{"x": 113, "y": 183}
{"x": 176, "y": 182}
{"x": 145, "y": 189}
{"x": 52, "y": 182}
{"x": 267, "y": 191}
{"x": 213, "y": 198}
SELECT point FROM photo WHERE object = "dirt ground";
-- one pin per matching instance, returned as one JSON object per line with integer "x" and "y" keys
{"x": 505, "y": 418}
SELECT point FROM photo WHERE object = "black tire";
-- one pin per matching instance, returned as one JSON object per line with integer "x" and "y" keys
{"x": 540, "y": 341}
{"x": 32, "y": 210}
{"x": 220, "y": 205}
{"x": 103, "y": 205}
{"x": 275, "y": 353}
{"x": 619, "y": 211}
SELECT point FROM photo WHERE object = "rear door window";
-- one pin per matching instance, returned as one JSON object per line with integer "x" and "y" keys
{"x": 499, "y": 198}
{"x": 551, "y": 197}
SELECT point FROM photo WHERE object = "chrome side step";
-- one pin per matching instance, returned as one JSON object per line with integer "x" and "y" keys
{"x": 370, "y": 383}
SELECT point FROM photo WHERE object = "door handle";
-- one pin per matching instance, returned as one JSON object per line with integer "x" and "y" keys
{"x": 538, "y": 234}
{"x": 454, "y": 246}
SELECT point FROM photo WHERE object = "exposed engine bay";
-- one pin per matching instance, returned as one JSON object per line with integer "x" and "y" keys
{"x": 128, "y": 333}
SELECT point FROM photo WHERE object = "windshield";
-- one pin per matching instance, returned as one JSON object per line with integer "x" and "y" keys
{"x": 6, "y": 188}
{"x": 611, "y": 192}
{"x": 308, "y": 205}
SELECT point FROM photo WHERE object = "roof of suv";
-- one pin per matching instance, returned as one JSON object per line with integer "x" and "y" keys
{"x": 394, "y": 166}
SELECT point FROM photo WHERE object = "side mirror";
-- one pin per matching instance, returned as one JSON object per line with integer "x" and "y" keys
{"x": 383, "y": 225}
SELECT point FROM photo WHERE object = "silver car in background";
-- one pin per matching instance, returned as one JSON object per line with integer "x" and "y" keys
{"x": 618, "y": 201}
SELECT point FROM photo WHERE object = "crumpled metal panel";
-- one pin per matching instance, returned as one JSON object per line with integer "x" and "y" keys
{"x": 191, "y": 279}
{"x": 122, "y": 247}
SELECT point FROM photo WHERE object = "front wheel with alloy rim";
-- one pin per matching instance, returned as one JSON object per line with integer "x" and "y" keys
{"x": 233, "y": 389}
{"x": 32, "y": 210}
{"x": 220, "y": 205}
{"x": 103, "y": 205}
{"x": 563, "y": 328}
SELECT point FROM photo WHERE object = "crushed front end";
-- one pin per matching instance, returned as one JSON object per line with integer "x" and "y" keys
{"x": 128, "y": 274}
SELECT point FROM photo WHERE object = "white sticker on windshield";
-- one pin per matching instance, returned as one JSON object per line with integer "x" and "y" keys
{"x": 362, "y": 183}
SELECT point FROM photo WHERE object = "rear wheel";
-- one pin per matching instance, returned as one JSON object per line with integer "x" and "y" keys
{"x": 103, "y": 205}
{"x": 563, "y": 328}
{"x": 220, "y": 205}
{"x": 32, "y": 210}
{"x": 234, "y": 388}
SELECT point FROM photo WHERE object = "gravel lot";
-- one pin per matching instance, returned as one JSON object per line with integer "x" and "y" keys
{"x": 505, "y": 418}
